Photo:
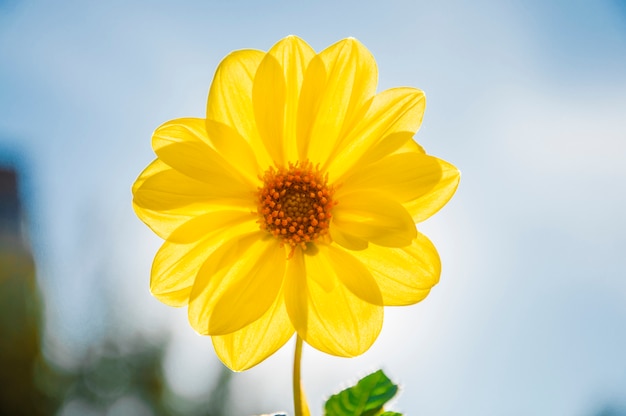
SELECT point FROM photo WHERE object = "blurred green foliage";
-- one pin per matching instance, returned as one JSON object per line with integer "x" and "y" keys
{"x": 118, "y": 376}
{"x": 20, "y": 323}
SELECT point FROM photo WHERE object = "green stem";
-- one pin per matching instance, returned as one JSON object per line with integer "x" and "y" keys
{"x": 297, "y": 390}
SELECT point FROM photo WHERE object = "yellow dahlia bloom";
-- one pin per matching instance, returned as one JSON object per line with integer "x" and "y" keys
{"x": 292, "y": 206}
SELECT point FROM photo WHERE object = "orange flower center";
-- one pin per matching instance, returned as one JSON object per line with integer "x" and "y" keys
{"x": 295, "y": 204}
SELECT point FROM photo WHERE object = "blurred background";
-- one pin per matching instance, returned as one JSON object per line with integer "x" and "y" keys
{"x": 526, "y": 97}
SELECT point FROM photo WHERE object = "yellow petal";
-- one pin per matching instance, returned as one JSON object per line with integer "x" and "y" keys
{"x": 336, "y": 322}
{"x": 338, "y": 82}
{"x": 168, "y": 189}
{"x": 294, "y": 56}
{"x": 268, "y": 99}
{"x": 156, "y": 166}
{"x": 237, "y": 284}
{"x": 165, "y": 199}
{"x": 404, "y": 275}
{"x": 179, "y": 259}
{"x": 350, "y": 271}
{"x": 406, "y": 176}
{"x": 375, "y": 217}
{"x": 162, "y": 224}
{"x": 397, "y": 142}
{"x": 428, "y": 204}
{"x": 324, "y": 270}
{"x": 230, "y": 98}
{"x": 346, "y": 240}
{"x": 215, "y": 222}
{"x": 232, "y": 147}
{"x": 183, "y": 144}
{"x": 409, "y": 146}
{"x": 255, "y": 342}
{"x": 392, "y": 118}
{"x": 436, "y": 197}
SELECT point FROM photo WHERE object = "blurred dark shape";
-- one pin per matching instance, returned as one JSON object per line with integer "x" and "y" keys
{"x": 20, "y": 310}
{"x": 10, "y": 217}
{"x": 612, "y": 410}
{"x": 125, "y": 377}
{"x": 219, "y": 397}
{"x": 119, "y": 376}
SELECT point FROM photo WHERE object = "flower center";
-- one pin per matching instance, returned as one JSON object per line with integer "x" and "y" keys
{"x": 295, "y": 204}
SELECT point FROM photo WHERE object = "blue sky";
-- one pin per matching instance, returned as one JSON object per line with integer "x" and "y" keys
{"x": 525, "y": 97}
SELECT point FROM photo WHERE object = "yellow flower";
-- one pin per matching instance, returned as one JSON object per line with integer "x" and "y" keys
{"x": 292, "y": 206}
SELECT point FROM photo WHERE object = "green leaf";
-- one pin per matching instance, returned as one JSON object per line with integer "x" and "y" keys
{"x": 391, "y": 414}
{"x": 365, "y": 399}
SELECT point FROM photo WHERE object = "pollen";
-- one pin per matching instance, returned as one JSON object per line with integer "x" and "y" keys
{"x": 295, "y": 204}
